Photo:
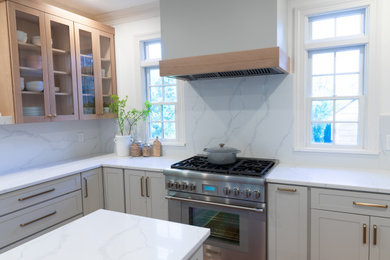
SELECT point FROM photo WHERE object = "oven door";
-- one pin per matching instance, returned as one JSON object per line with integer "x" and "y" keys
{"x": 236, "y": 231}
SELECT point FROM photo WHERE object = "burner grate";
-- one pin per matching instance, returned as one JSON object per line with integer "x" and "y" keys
{"x": 243, "y": 166}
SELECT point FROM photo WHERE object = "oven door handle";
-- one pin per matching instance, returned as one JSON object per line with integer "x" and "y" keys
{"x": 215, "y": 204}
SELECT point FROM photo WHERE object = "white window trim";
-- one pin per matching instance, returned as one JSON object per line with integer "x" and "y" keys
{"x": 370, "y": 114}
{"x": 142, "y": 65}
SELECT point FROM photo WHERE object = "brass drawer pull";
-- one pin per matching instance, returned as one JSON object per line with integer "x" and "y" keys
{"x": 35, "y": 195}
{"x": 142, "y": 186}
{"x": 363, "y": 204}
{"x": 364, "y": 234}
{"x": 35, "y": 220}
{"x": 286, "y": 189}
{"x": 86, "y": 187}
{"x": 375, "y": 235}
{"x": 147, "y": 187}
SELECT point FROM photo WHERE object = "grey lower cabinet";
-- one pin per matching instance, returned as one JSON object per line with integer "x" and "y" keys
{"x": 145, "y": 194}
{"x": 287, "y": 222}
{"x": 92, "y": 190}
{"x": 114, "y": 192}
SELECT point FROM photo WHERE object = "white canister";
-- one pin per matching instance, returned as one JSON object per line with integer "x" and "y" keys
{"x": 22, "y": 83}
{"x": 122, "y": 145}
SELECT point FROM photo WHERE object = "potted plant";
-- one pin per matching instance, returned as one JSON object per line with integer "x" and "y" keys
{"x": 127, "y": 120}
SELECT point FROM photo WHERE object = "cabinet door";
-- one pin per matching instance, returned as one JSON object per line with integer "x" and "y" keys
{"x": 135, "y": 192}
{"x": 29, "y": 64}
{"x": 287, "y": 222}
{"x": 88, "y": 70}
{"x": 155, "y": 195}
{"x": 62, "y": 68}
{"x": 114, "y": 192}
{"x": 92, "y": 188}
{"x": 107, "y": 72}
{"x": 380, "y": 239}
{"x": 339, "y": 236}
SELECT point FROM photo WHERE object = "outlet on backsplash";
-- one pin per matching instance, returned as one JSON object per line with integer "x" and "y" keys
{"x": 80, "y": 137}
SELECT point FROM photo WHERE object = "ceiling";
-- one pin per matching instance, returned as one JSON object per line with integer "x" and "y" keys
{"x": 92, "y": 8}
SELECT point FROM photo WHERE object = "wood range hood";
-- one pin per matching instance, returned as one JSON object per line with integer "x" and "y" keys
{"x": 266, "y": 61}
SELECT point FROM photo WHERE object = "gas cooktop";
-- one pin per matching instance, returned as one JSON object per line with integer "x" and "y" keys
{"x": 243, "y": 166}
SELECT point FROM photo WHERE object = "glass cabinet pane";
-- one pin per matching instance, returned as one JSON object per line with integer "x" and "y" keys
{"x": 62, "y": 68}
{"x": 106, "y": 72}
{"x": 30, "y": 64}
{"x": 87, "y": 73}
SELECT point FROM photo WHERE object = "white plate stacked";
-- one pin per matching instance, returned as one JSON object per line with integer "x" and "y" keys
{"x": 32, "y": 111}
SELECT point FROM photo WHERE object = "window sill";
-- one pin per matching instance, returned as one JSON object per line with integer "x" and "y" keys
{"x": 336, "y": 151}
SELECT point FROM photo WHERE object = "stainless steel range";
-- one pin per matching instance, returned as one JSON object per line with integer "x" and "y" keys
{"x": 228, "y": 199}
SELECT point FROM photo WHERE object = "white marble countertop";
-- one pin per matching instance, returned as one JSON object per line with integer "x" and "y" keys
{"x": 18, "y": 180}
{"x": 336, "y": 178}
{"x": 111, "y": 235}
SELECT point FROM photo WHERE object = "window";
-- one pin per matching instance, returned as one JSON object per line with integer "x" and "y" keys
{"x": 333, "y": 101}
{"x": 163, "y": 93}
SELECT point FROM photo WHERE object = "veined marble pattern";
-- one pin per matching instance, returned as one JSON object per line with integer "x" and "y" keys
{"x": 30, "y": 145}
{"x": 111, "y": 235}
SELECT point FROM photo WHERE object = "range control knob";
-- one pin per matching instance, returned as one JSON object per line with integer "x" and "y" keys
{"x": 184, "y": 186}
{"x": 236, "y": 192}
{"x": 248, "y": 193}
{"x": 177, "y": 185}
{"x": 192, "y": 187}
{"x": 226, "y": 191}
{"x": 256, "y": 194}
{"x": 169, "y": 184}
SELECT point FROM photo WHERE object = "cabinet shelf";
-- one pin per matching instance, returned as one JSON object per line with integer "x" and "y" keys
{"x": 86, "y": 75}
{"x": 86, "y": 56}
{"x": 88, "y": 95}
{"x": 105, "y": 59}
{"x": 106, "y": 78}
{"x": 58, "y": 72}
{"x": 59, "y": 51}
{"x": 29, "y": 46}
{"x": 26, "y": 92}
{"x": 63, "y": 94}
{"x": 27, "y": 71}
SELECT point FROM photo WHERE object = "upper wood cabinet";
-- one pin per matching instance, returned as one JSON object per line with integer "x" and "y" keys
{"x": 96, "y": 71}
{"x": 54, "y": 68}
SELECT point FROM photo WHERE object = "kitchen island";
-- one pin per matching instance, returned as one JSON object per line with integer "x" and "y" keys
{"x": 108, "y": 235}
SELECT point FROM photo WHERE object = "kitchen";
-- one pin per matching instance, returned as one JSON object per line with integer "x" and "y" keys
{"x": 263, "y": 116}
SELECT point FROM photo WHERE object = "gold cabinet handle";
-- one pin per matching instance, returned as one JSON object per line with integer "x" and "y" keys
{"x": 147, "y": 187}
{"x": 364, "y": 233}
{"x": 375, "y": 235}
{"x": 35, "y": 195}
{"x": 287, "y": 190}
{"x": 86, "y": 187}
{"x": 363, "y": 204}
{"x": 142, "y": 186}
{"x": 35, "y": 220}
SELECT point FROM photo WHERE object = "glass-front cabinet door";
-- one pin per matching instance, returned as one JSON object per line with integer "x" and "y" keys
{"x": 62, "y": 68}
{"x": 88, "y": 80}
{"x": 29, "y": 61}
{"x": 107, "y": 71}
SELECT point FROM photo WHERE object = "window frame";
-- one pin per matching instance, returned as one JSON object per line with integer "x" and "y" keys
{"x": 144, "y": 64}
{"x": 303, "y": 45}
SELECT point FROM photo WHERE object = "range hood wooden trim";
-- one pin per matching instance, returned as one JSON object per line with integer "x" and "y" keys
{"x": 224, "y": 62}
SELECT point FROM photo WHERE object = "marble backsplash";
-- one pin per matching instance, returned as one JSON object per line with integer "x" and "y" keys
{"x": 30, "y": 145}
{"x": 255, "y": 115}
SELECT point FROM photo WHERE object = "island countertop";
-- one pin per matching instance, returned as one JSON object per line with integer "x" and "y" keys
{"x": 111, "y": 235}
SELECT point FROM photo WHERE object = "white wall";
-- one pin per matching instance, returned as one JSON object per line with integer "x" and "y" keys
{"x": 252, "y": 114}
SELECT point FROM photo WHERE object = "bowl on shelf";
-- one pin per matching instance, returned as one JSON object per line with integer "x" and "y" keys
{"x": 22, "y": 83}
{"x": 36, "y": 86}
{"x": 33, "y": 111}
{"x": 36, "y": 40}
{"x": 34, "y": 61}
{"x": 22, "y": 36}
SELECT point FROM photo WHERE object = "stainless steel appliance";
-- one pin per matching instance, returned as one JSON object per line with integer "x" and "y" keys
{"x": 228, "y": 199}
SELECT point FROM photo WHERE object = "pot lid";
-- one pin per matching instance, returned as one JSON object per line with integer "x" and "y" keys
{"x": 221, "y": 149}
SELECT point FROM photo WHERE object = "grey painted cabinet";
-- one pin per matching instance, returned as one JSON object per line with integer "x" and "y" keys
{"x": 92, "y": 190}
{"x": 380, "y": 237}
{"x": 114, "y": 192}
{"x": 287, "y": 222}
{"x": 145, "y": 194}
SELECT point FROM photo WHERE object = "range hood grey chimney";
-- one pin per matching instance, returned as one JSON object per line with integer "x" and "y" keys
{"x": 205, "y": 39}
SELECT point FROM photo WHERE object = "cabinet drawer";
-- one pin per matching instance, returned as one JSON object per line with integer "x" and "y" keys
{"x": 23, "y": 198}
{"x": 353, "y": 202}
{"x": 26, "y": 222}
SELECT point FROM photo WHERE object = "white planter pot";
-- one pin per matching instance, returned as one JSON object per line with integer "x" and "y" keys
{"x": 122, "y": 145}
